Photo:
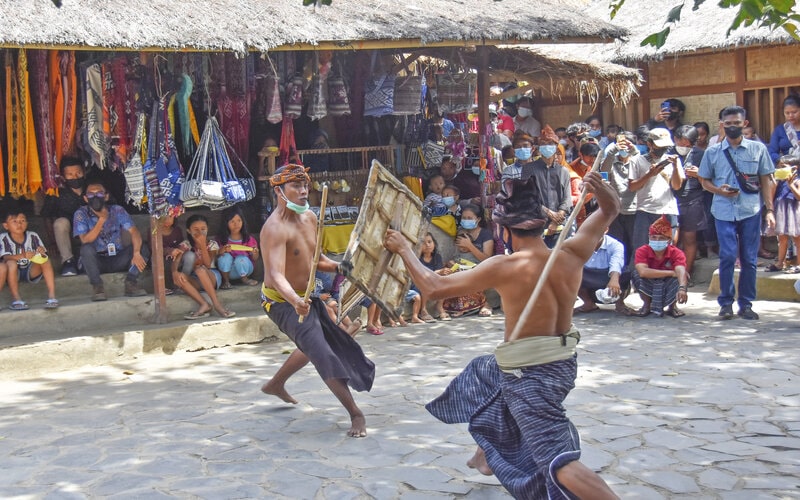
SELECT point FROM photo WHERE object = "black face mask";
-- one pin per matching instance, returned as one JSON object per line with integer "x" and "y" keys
{"x": 733, "y": 132}
{"x": 674, "y": 115}
{"x": 657, "y": 152}
{"x": 78, "y": 183}
{"x": 97, "y": 204}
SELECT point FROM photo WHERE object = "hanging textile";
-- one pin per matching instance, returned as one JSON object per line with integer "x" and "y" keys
{"x": 288, "y": 147}
{"x": 96, "y": 133}
{"x": 24, "y": 171}
{"x": 119, "y": 108}
{"x": 188, "y": 126}
{"x": 134, "y": 169}
{"x": 45, "y": 136}
{"x": 233, "y": 104}
{"x": 63, "y": 83}
{"x": 162, "y": 170}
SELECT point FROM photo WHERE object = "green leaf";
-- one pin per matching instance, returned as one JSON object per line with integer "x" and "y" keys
{"x": 309, "y": 2}
{"x": 675, "y": 14}
{"x": 697, "y": 4}
{"x": 615, "y": 6}
{"x": 657, "y": 40}
{"x": 783, "y": 6}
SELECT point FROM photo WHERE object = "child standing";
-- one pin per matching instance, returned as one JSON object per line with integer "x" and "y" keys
{"x": 236, "y": 263}
{"x": 25, "y": 259}
{"x": 787, "y": 214}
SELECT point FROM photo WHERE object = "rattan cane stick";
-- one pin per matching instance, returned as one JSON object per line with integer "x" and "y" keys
{"x": 312, "y": 279}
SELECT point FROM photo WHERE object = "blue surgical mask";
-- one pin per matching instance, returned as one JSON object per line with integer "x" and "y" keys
{"x": 563, "y": 142}
{"x": 658, "y": 245}
{"x": 622, "y": 153}
{"x": 294, "y": 207}
{"x": 523, "y": 154}
{"x": 469, "y": 224}
{"x": 642, "y": 149}
{"x": 548, "y": 150}
{"x": 449, "y": 201}
{"x": 595, "y": 133}
{"x": 476, "y": 170}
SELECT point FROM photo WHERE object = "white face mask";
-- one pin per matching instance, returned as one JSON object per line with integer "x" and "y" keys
{"x": 524, "y": 112}
{"x": 683, "y": 150}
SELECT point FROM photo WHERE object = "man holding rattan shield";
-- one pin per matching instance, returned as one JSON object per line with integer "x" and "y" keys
{"x": 513, "y": 398}
{"x": 288, "y": 247}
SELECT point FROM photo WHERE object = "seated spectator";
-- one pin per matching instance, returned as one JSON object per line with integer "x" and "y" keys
{"x": 605, "y": 270}
{"x": 24, "y": 259}
{"x": 474, "y": 244}
{"x": 660, "y": 273}
{"x": 99, "y": 226}
{"x": 59, "y": 210}
{"x": 199, "y": 253}
{"x": 524, "y": 121}
{"x": 433, "y": 201}
{"x": 451, "y": 196}
{"x": 233, "y": 261}
{"x": 171, "y": 238}
{"x": 430, "y": 258}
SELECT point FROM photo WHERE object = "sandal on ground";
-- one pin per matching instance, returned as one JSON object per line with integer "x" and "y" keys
{"x": 249, "y": 282}
{"x": 772, "y": 268}
{"x": 169, "y": 291}
{"x": 196, "y": 315}
{"x": 625, "y": 311}
{"x": 225, "y": 313}
{"x": 374, "y": 331}
{"x": 792, "y": 270}
{"x": 19, "y": 305}
{"x": 51, "y": 304}
{"x": 641, "y": 313}
{"x": 226, "y": 286}
{"x": 444, "y": 317}
{"x": 427, "y": 318}
{"x": 584, "y": 309}
{"x": 485, "y": 312}
{"x": 675, "y": 312}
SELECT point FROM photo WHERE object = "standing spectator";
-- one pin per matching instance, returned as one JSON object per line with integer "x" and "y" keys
{"x": 25, "y": 259}
{"x": 100, "y": 227}
{"x": 618, "y": 162}
{"x": 611, "y": 136}
{"x": 58, "y": 211}
{"x": 668, "y": 117}
{"x": 595, "y": 128}
{"x": 702, "y": 134}
{"x": 236, "y": 263}
{"x": 587, "y": 154}
{"x": 552, "y": 181}
{"x": 691, "y": 206}
{"x": 576, "y": 133}
{"x": 784, "y": 139}
{"x": 787, "y": 213}
{"x": 660, "y": 272}
{"x": 524, "y": 121}
{"x": 737, "y": 212}
{"x": 653, "y": 177}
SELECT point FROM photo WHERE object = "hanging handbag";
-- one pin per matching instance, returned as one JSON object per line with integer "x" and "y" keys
{"x": 378, "y": 93}
{"x": 317, "y": 97}
{"x": 273, "y": 105}
{"x": 293, "y": 107}
{"x": 338, "y": 99}
{"x": 407, "y": 95}
{"x": 134, "y": 169}
{"x": 456, "y": 92}
{"x": 432, "y": 154}
{"x": 749, "y": 183}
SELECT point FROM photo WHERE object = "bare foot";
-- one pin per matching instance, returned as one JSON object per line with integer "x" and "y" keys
{"x": 416, "y": 320}
{"x": 354, "y": 327}
{"x": 358, "y": 427}
{"x": 280, "y": 391}
{"x": 478, "y": 461}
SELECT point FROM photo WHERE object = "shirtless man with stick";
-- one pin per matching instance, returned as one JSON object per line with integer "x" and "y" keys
{"x": 513, "y": 398}
{"x": 288, "y": 243}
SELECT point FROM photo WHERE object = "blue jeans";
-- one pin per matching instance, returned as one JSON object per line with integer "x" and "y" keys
{"x": 738, "y": 239}
{"x": 238, "y": 267}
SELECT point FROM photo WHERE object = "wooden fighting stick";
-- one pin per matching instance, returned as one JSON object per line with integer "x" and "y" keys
{"x": 537, "y": 290}
{"x": 312, "y": 279}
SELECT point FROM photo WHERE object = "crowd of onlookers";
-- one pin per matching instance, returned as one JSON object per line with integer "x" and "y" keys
{"x": 686, "y": 191}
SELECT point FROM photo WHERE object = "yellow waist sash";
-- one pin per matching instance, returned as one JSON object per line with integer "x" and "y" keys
{"x": 532, "y": 351}
{"x": 275, "y": 296}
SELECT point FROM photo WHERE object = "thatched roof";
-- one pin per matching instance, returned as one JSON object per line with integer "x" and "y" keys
{"x": 262, "y": 25}
{"x": 704, "y": 29}
{"x": 555, "y": 70}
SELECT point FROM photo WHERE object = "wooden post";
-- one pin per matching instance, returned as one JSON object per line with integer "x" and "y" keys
{"x": 157, "y": 263}
{"x": 483, "y": 88}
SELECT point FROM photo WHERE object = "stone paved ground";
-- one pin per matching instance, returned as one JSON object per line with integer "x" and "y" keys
{"x": 689, "y": 408}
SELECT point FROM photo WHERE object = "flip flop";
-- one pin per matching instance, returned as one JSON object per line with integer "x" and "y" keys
{"x": 792, "y": 270}
{"x": 225, "y": 313}
{"x": 579, "y": 310}
{"x": 485, "y": 313}
{"x": 427, "y": 319}
{"x": 772, "y": 268}
{"x": 19, "y": 305}
{"x": 51, "y": 304}
{"x": 225, "y": 286}
{"x": 195, "y": 315}
{"x": 374, "y": 331}
{"x": 675, "y": 312}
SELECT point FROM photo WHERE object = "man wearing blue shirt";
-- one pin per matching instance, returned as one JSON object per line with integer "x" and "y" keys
{"x": 738, "y": 213}
{"x": 604, "y": 270}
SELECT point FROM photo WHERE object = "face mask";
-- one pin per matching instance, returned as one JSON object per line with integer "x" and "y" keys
{"x": 733, "y": 132}
{"x": 673, "y": 115}
{"x": 469, "y": 224}
{"x": 97, "y": 204}
{"x": 449, "y": 201}
{"x": 78, "y": 183}
{"x": 563, "y": 142}
{"x": 524, "y": 112}
{"x": 294, "y": 207}
{"x": 476, "y": 170}
{"x": 548, "y": 150}
{"x": 595, "y": 133}
{"x": 642, "y": 149}
{"x": 658, "y": 153}
{"x": 683, "y": 150}
{"x": 523, "y": 153}
{"x": 658, "y": 246}
{"x": 623, "y": 153}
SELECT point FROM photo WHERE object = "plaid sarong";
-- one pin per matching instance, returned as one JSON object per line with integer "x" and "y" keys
{"x": 662, "y": 291}
{"x": 518, "y": 420}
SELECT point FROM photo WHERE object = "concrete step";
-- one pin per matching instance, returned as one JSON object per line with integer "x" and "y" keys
{"x": 769, "y": 286}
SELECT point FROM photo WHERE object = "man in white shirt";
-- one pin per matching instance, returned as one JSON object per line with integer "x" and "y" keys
{"x": 524, "y": 120}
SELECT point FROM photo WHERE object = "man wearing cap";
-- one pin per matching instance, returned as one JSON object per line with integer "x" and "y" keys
{"x": 652, "y": 177}
{"x": 660, "y": 272}
{"x": 288, "y": 243}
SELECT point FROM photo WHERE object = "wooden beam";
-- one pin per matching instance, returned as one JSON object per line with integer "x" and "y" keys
{"x": 405, "y": 62}
{"x": 740, "y": 74}
{"x": 512, "y": 92}
{"x": 483, "y": 88}
{"x": 717, "y": 88}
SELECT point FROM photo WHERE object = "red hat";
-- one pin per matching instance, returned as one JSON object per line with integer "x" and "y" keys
{"x": 661, "y": 227}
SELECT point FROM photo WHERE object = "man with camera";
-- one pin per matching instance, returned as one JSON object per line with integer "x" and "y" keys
{"x": 738, "y": 172}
